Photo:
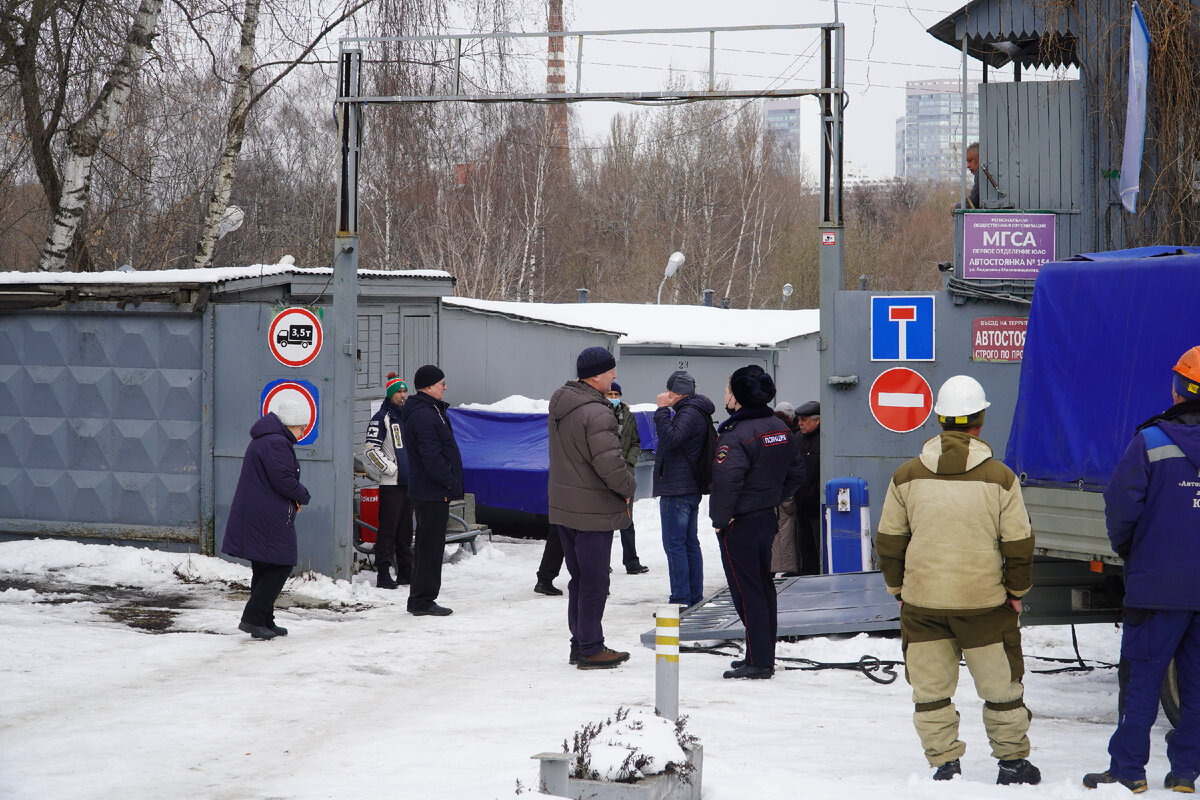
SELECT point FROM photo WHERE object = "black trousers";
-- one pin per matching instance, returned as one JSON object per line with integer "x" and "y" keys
{"x": 808, "y": 542}
{"x": 394, "y": 542}
{"x": 746, "y": 556}
{"x": 430, "y": 545}
{"x": 552, "y": 554}
{"x": 628, "y": 546}
{"x": 265, "y": 585}
{"x": 552, "y": 557}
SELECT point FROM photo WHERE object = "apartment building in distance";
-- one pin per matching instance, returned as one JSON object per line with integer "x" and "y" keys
{"x": 781, "y": 122}
{"x": 929, "y": 137}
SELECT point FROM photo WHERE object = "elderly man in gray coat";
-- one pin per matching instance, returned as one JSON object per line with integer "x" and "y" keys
{"x": 591, "y": 490}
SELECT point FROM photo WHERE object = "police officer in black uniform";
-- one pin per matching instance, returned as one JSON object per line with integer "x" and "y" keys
{"x": 757, "y": 466}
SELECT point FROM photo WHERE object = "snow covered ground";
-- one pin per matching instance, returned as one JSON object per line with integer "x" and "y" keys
{"x": 362, "y": 700}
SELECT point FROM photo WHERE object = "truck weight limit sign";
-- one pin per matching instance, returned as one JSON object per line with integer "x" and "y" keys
{"x": 294, "y": 337}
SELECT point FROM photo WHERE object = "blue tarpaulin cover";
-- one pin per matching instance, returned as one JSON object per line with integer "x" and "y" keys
{"x": 1104, "y": 332}
{"x": 506, "y": 457}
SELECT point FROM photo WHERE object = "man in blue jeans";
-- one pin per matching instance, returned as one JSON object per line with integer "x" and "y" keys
{"x": 682, "y": 421}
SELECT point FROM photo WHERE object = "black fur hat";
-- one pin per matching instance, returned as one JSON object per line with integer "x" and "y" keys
{"x": 752, "y": 386}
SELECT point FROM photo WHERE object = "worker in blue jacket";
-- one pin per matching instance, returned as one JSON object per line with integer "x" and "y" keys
{"x": 1152, "y": 508}
{"x": 757, "y": 465}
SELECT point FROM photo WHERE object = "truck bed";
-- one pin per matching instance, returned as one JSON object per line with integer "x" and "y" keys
{"x": 1069, "y": 523}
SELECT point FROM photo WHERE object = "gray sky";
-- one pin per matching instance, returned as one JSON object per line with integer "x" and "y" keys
{"x": 886, "y": 45}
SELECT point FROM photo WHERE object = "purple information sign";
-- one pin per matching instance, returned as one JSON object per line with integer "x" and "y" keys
{"x": 1007, "y": 246}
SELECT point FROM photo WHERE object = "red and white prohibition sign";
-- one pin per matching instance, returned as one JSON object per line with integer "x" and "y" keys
{"x": 901, "y": 400}
{"x": 295, "y": 337}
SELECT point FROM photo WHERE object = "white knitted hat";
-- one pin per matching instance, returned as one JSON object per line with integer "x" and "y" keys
{"x": 290, "y": 410}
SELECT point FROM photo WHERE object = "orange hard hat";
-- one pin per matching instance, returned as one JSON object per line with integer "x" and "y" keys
{"x": 1187, "y": 374}
{"x": 1189, "y": 364}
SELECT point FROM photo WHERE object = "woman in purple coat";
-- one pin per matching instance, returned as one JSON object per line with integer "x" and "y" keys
{"x": 262, "y": 519}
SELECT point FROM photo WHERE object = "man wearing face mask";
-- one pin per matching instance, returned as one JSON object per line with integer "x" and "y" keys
{"x": 631, "y": 450}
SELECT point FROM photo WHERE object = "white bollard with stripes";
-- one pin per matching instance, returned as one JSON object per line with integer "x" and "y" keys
{"x": 666, "y": 662}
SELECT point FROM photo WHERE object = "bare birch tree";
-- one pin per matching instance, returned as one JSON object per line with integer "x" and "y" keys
{"x": 84, "y": 138}
{"x": 241, "y": 103}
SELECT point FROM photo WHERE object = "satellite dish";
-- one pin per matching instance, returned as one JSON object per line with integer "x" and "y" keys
{"x": 287, "y": 261}
{"x": 125, "y": 268}
{"x": 231, "y": 220}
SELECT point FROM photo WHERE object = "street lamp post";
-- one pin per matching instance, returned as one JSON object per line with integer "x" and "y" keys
{"x": 673, "y": 264}
{"x": 787, "y": 292}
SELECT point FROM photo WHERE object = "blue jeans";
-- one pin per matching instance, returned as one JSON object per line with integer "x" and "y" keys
{"x": 681, "y": 543}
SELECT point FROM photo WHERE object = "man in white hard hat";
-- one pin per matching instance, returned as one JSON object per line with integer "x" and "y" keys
{"x": 956, "y": 549}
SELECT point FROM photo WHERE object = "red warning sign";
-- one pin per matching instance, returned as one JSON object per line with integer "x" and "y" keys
{"x": 295, "y": 336}
{"x": 901, "y": 400}
{"x": 302, "y": 391}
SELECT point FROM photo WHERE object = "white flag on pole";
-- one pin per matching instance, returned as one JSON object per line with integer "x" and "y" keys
{"x": 1135, "y": 114}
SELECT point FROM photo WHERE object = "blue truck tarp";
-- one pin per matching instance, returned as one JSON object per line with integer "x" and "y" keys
{"x": 1105, "y": 330}
{"x": 506, "y": 457}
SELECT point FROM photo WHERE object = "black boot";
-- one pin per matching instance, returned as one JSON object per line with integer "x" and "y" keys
{"x": 747, "y": 671}
{"x": 257, "y": 631}
{"x": 1018, "y": 770}
{"x": 947, "y": 771}
{"x": 383, "y": 579}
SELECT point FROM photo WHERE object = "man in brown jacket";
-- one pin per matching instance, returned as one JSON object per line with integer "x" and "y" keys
{"x": 956, "y": 548}
{"x": 591, "y": 489}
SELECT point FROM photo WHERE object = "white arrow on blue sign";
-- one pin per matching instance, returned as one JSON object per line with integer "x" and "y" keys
{"x": 902, "y": 328}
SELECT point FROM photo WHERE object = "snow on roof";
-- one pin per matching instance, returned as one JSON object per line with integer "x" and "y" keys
{"x": 697, "y": 326}
{"x": 513, "y": 404}
{"x": 193, "y": 276}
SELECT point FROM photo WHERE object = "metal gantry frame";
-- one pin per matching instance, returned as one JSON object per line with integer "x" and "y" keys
{"x": 350, "y": 105}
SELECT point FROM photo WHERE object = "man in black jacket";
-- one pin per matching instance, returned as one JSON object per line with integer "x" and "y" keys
{"x": 808, "y": 499}
{"x": 435, "y": 477}
{"x": 757, "y": 465}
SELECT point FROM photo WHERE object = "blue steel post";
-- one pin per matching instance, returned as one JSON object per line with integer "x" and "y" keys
{"x": 345, "y": 313}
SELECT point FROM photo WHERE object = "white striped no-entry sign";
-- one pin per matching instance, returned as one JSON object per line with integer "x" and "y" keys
{"x": 901, "y": 400}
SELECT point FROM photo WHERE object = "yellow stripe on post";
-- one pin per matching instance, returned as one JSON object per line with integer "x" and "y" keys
{"x": 666, "y": 661}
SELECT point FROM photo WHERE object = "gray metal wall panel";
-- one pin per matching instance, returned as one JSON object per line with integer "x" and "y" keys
{"x": 863, "y": 447}
{"x": 369, "y": 371}
{"x": 244, "y": 366}
{"x": 487, "y": 358}
{"x": 376, "y": 331}
{"x": 418, "y": 339}
{"x": 643, "y": 373}
{"x": 798, "y": 373}
{"x": 101, "y": 420}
